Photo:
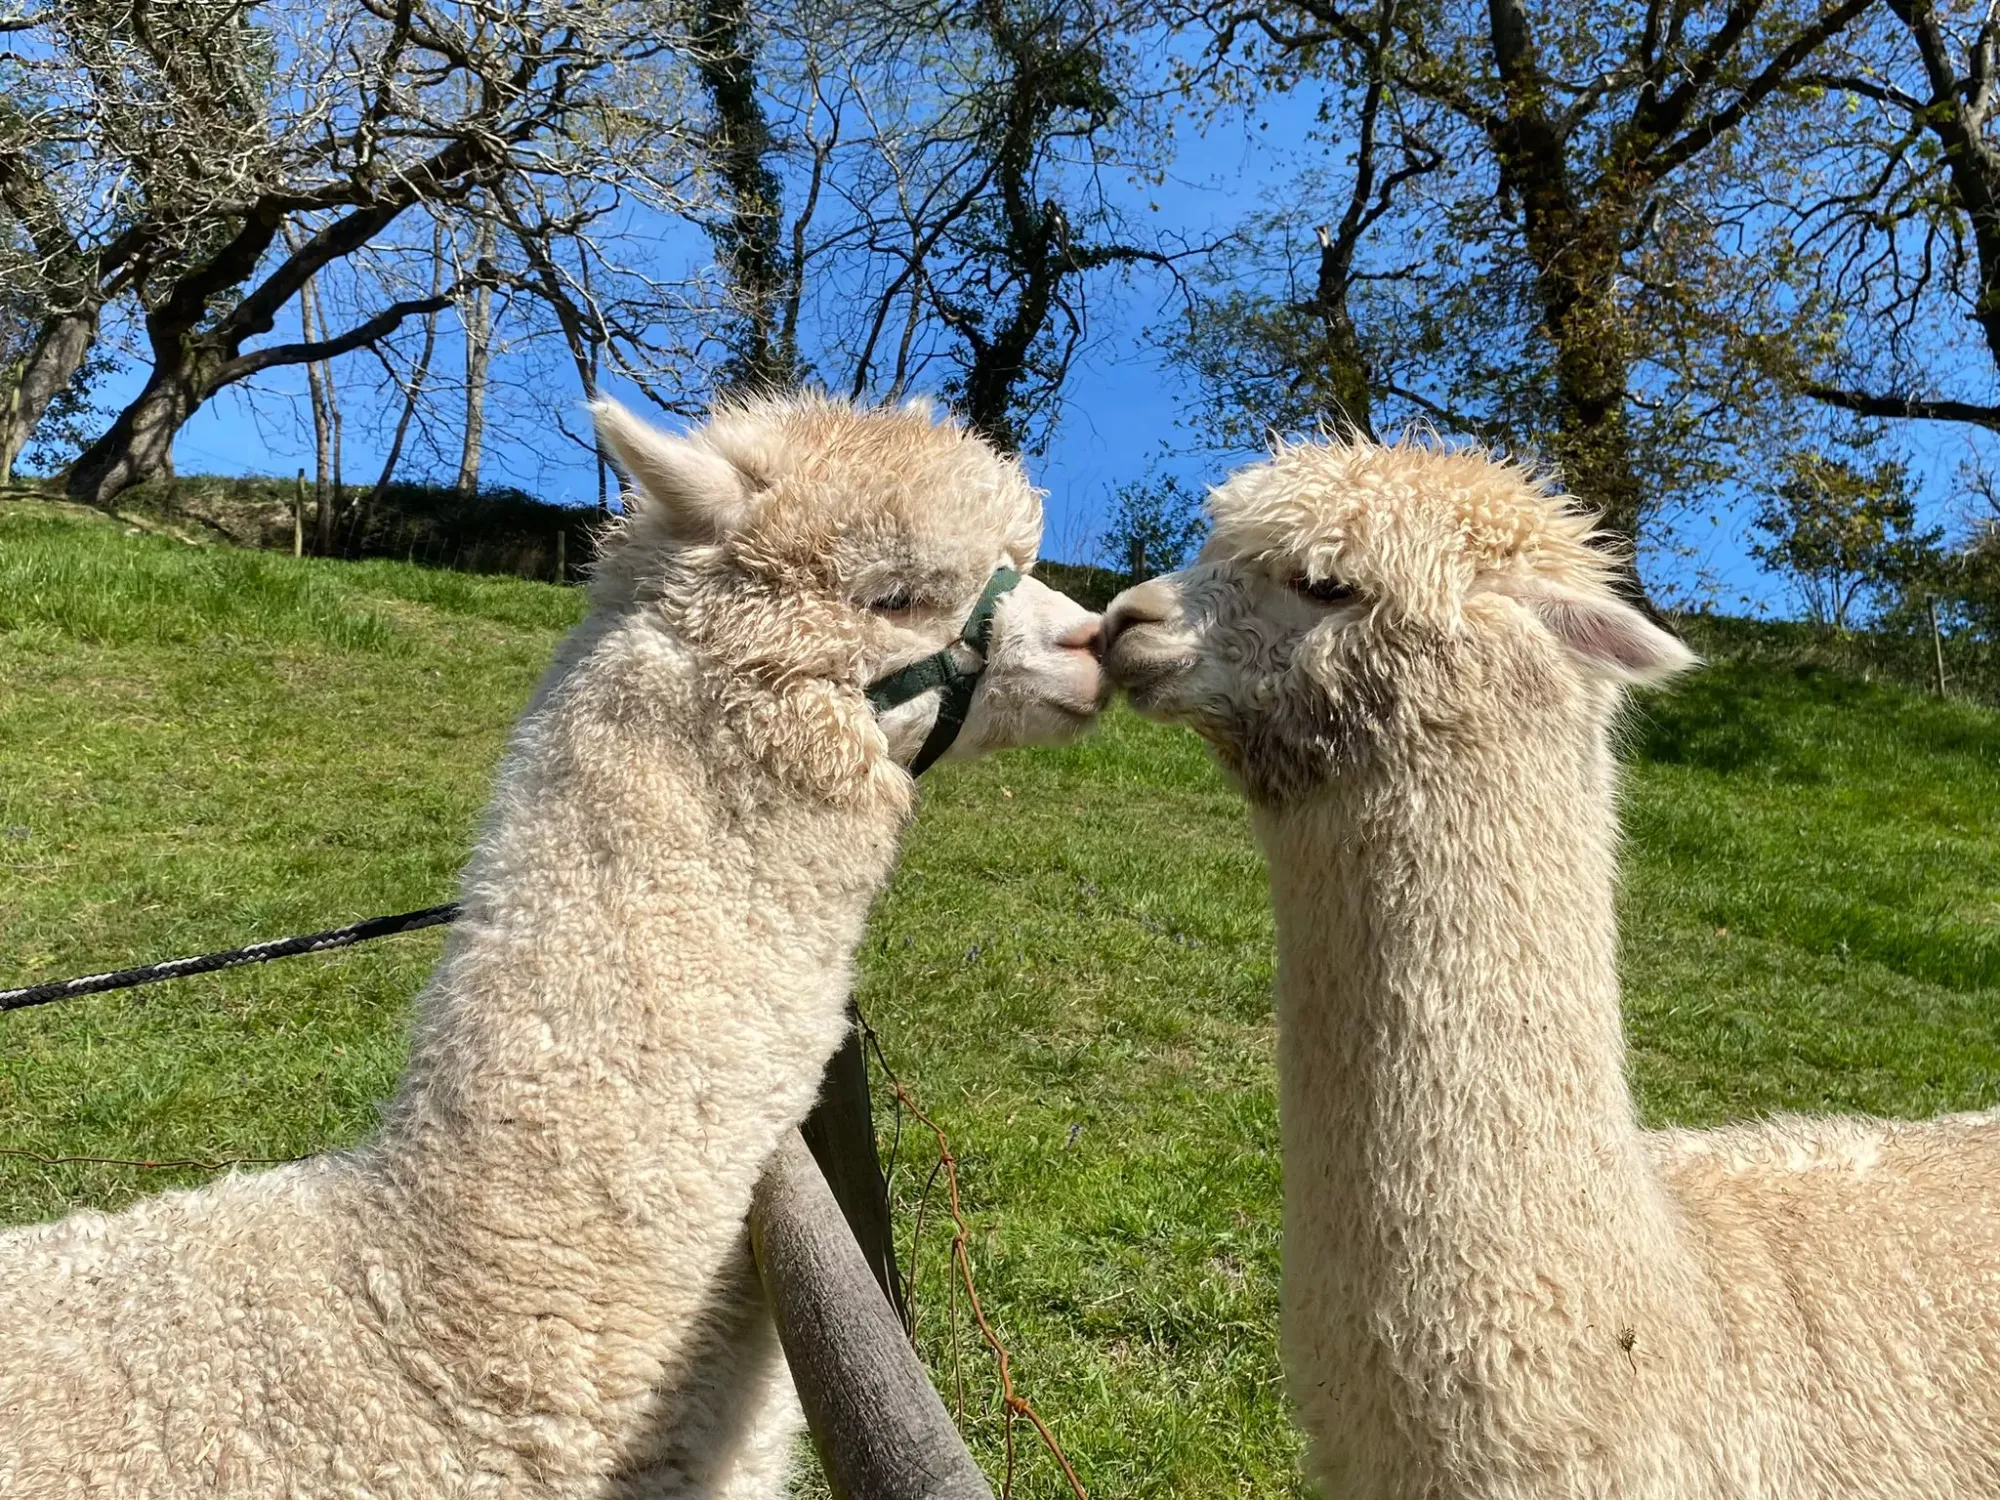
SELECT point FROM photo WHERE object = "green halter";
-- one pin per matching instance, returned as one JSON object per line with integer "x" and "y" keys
{"x": 940, "y": 670}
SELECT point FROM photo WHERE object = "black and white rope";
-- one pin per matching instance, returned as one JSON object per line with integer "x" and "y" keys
{"x": 208, "y": 963}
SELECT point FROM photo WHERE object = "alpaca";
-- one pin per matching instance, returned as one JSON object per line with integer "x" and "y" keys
{"x": 534, "y": 1279}
{"x": 1496, "y": 1283}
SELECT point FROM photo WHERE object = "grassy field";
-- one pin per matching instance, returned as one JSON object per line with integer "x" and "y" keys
{"x": 199, "y": 746}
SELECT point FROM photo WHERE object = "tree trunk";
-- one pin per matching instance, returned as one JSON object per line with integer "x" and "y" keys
{"x": 1575, "y": 251}
{"x": 747, "y": 242}
{"x": 477, "y": 349}
{"x": 139, "y": 446}
{"x": 1343, "y": 365}
{"x": 478, "y": 319}
{"x": 319, "y": 387}
{"x": 58, "y": 352}
{"x": 1594, "y": 444}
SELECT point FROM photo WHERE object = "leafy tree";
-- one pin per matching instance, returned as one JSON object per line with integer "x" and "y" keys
{"x": 1009, "y": 283}
{"x": 72, "y": 417}
{"x": 214, "y": 158}
{"x": 1570, "y": 239}
{"x": 1294, "y": 331}
{"x": 1967, "y": 580}
{"x": 1842, "y": 531}
{"x": 126, "y": 132}
{"x": 1971, "y": 581}
{"x": 943, "y": 168}
{"x": 1155, "y": 525}
{"x": 911, "y": 192}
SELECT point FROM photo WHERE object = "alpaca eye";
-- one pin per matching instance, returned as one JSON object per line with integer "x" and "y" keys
{"x": 1324, "y": 590}
{"x": 895, "y": 601}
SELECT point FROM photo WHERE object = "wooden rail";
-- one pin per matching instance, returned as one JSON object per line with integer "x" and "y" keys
{"x": 879, "y": 1426}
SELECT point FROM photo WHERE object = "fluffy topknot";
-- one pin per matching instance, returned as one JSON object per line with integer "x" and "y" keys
{"x": 1414, "y": 523}
{"x": 780, "y": 481}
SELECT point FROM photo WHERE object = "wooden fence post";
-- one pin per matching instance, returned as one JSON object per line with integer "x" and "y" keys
{"x": 1937, "y": 640}
{"x": 299, "y": 517}
{"x": 840, "y": 1132}
{"x": 879, "y": 1426}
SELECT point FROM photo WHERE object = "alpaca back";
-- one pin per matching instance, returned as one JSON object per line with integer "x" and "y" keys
{"x": 1857, "y": 1271}
{"x": 170, "y": 1334}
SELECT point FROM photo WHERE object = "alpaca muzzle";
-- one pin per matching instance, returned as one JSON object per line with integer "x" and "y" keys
{"x": 941, "y": 670}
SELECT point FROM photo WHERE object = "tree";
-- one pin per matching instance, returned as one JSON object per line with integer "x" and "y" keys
{"x": 121, "y": 126}
{"x": 20, "y": 321}
{"x": 1971, "y": 580}
{"x": 1007, "y": 285}
{"x": 335, "y": 124}
{"x": 1967, "y": 579}
{"x": 1289, "y": 346}
{"x": 1897, "y": 215}
{"x": 761, "y": 341}
{"x": 1582, "y": 146}
{"x": 1154, "y": 526}
{"x": 945, "y": 161}
{"x": 1841, "y": 531}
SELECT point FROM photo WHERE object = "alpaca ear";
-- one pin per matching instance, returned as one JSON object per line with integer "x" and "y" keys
{"x": 1605, "y": 635}
{"x": 700, "y": 494}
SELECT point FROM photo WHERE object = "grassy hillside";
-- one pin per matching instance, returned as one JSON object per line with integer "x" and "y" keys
{"x": 497, "y": 530}
{"x": 199, "y": 746}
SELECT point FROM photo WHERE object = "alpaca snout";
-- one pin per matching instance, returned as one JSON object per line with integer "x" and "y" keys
{"x": 1141, "y": 645}
{"x": 1080, "y": 649}
{"x": 1148, "y": 603}
{"x": 1086, "y": 635}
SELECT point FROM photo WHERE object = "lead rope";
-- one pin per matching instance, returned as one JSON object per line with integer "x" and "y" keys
{"x": 208, "y": 963}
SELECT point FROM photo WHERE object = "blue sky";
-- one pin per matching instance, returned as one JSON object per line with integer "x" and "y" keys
{"x": 1124, "y": 412}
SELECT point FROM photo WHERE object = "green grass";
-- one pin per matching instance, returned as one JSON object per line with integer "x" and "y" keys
{"x": 200, "y": 746}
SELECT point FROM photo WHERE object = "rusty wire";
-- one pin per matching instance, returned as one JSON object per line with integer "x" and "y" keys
{"x": 1013, "y": 1403}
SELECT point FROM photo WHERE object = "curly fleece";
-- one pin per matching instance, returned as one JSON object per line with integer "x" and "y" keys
{"x": 1496, "y": 1283}
{"x": 533, "y": 1280}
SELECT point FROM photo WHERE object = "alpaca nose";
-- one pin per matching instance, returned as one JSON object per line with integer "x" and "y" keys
{"x": 1148, "y": 603}
{"x": 1087, "y": 635}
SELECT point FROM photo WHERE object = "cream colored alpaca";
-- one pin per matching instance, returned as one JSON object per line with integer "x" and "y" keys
{"x": 533, "y": 1281}
{"x": 1496, "y": 1283}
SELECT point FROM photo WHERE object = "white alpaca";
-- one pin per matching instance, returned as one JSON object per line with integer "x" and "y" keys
{"x": 533, "y": 1281}
{"x": 1496, "y": 1283}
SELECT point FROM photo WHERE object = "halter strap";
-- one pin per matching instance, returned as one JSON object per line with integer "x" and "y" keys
{"x": 941, "y": 670}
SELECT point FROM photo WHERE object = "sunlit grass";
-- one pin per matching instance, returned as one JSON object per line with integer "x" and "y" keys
{"x": 1072, "y": 971}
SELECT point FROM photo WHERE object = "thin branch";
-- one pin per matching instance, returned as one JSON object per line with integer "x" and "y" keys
{"x": 1908, "y": 408}
{"x": 380, "y": 326}
{"x": 1719, "y": 122}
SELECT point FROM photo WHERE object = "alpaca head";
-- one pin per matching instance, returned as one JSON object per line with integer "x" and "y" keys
{"x": 1357, "y": 602}
{"x": 805, "y": 547}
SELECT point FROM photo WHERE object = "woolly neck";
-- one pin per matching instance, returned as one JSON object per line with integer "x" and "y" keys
{"x": 1466, "y": 1186}
{"x": 651, "y": 971}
